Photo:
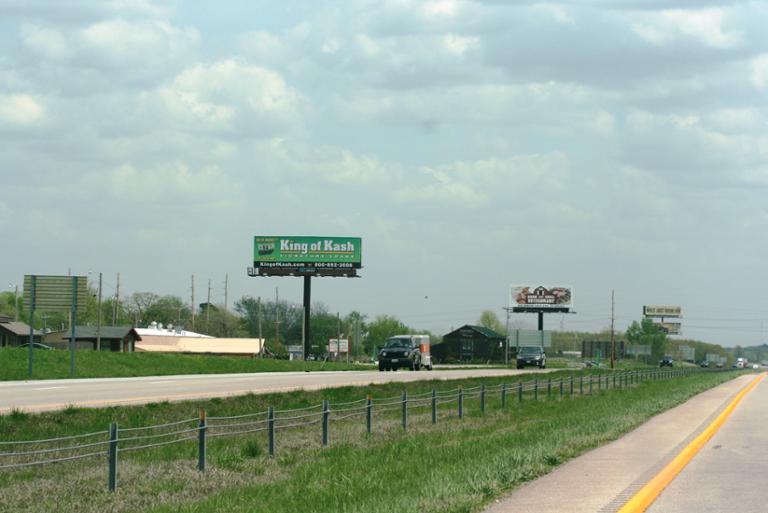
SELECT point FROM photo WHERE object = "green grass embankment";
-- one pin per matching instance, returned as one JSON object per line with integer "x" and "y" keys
{"x": 54, "y": 364}
{"x": 456, "y": 466}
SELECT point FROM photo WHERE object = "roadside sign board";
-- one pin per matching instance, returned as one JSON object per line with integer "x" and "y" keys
{"x": 670, "y": 311}
{"x": 671, "y": 328}
{"x": 338, "y": 346}
{"x": 55, "y": 293}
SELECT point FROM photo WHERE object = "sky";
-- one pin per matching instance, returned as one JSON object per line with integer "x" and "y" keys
{"x": 473, "y": 145}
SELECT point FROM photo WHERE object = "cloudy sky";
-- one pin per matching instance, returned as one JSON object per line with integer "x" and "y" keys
{"x": 472, "y": 144}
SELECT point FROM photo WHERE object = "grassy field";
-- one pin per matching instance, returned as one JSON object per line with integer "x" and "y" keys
{"x": 456, "y": 466}
{"x": 54, "y": 364}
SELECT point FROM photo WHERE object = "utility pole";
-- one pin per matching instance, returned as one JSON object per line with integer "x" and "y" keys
{"x": 98, "y": 319}
{"x": 226, "y": 298}
{"x": 208, "y": 308}
{"x": 193, "y": 302}
{"x": 258, "y": 314}
{"x": 613, "y": 333}
{"x": 226, "y": 292}
{"x": 277, "y": 319}
{"x": 506, "y": 349}
{"x": 338, "y": 337}
{"x": 117, "y": 301}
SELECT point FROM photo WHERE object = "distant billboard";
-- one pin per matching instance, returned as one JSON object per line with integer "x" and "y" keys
{"x": 662, "y": 311}
{"x": 338, "y": 346}
{"x": 671, "y": 328}
{"x": 330, "y": 252}
{"x": 281, "y": 255}
{"x": 530, "y": 338}
{"x": 638, "y": 350}
{"x": 540, "y": 297}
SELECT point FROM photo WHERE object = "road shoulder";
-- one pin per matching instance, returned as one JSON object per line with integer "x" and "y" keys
{"x": 603, "y": 479}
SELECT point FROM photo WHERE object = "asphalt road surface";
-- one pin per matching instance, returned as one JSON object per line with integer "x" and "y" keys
{"x": 730, "y": 471}
{"x": 45, "y": 395}
{"x": 727, "y": 475}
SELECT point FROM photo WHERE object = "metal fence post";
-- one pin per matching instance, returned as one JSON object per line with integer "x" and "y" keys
{"x": 590, "y": 384}
{"x": 571, "y": 393}
{"x": 482, "y": 398}
{"x": 549, "y": 387}
{"x": 326, "y": 414}
{"x": 536, "y": 389}
{"x": 614, "y": 380}
{"x": 405, "y": 409}
{"x": 520, "y": 392}
{"x": 368, "y": 414}
{"x": 202, "y": 428}
{"x": 434, "y": 406}
{"x": 561, "y": 386}
{"x": 113, "y": 438}
{"x": 271, "y": 430}
{"x": 503, "y": 395}
{"x": 581, "y": 385}
{"x": 461, "y": 402}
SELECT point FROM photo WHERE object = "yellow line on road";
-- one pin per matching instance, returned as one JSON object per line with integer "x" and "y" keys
{"x": 648, "y": 493}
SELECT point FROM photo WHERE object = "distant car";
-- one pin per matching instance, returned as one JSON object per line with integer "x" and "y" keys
{"x": 667, "y": 361}
{"x": 36, "y": 345}
{"x": 531, "y": 355}
{"x": 704, "y": 363}
{"x": 719, "y": 365}
{"x": 755, "y": 366}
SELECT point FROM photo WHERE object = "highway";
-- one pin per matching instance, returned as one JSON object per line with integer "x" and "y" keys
{"x": 727, "y": 475}
{"x": 46, "y": 395}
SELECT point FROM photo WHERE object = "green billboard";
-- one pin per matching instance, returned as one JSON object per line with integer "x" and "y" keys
{"x": 319, "y": 252}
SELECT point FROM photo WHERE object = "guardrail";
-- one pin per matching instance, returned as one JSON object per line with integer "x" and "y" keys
{"x": 108, "y": 444}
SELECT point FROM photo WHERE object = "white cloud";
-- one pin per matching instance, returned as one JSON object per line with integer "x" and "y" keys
{"x": 223, "y": 92}
{"x": 651, "y": 34}
{"x": 169, "y": 184}
{"x": 47, "y": 42}
{"x": 737, "y": 119}
{"x": 705, "y": 25}
{"x": 760, "y": 71}
{"x": 470, "y": 184}
{"x": 558, "y": 12}
{"x": 151, "y": 41}
{"x": 439, "y": 8}
{"x": 459, "y": 45}
{"x": 21, "y": 109}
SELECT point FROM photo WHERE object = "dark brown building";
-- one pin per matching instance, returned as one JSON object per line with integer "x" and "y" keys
{"x": 470, "y": 343}
{"x": 14, "y": 334}
{"x": 113, "y": 338}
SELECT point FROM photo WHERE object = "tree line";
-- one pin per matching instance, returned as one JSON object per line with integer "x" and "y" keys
{"x": 280, "y": 323}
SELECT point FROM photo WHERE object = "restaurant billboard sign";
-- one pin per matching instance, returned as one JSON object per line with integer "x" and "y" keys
{"x": 540, "y": 297}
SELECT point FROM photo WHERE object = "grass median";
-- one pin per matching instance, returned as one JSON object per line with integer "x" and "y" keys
{"x": 54, "y": 364}
{"x": 456, "y": 465}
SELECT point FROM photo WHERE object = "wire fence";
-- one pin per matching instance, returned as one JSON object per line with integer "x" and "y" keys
{"x": 110, "y": 443}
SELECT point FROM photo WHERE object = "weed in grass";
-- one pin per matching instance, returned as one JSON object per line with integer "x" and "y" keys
{"x": 252, "y": 449}
{"x": 17, "y": 415}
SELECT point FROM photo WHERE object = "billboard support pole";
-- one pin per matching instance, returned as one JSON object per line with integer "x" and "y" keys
{"x": 31, "y": 324}
{"x": 74, "y": 325}
{"x": 307, "y": 303}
